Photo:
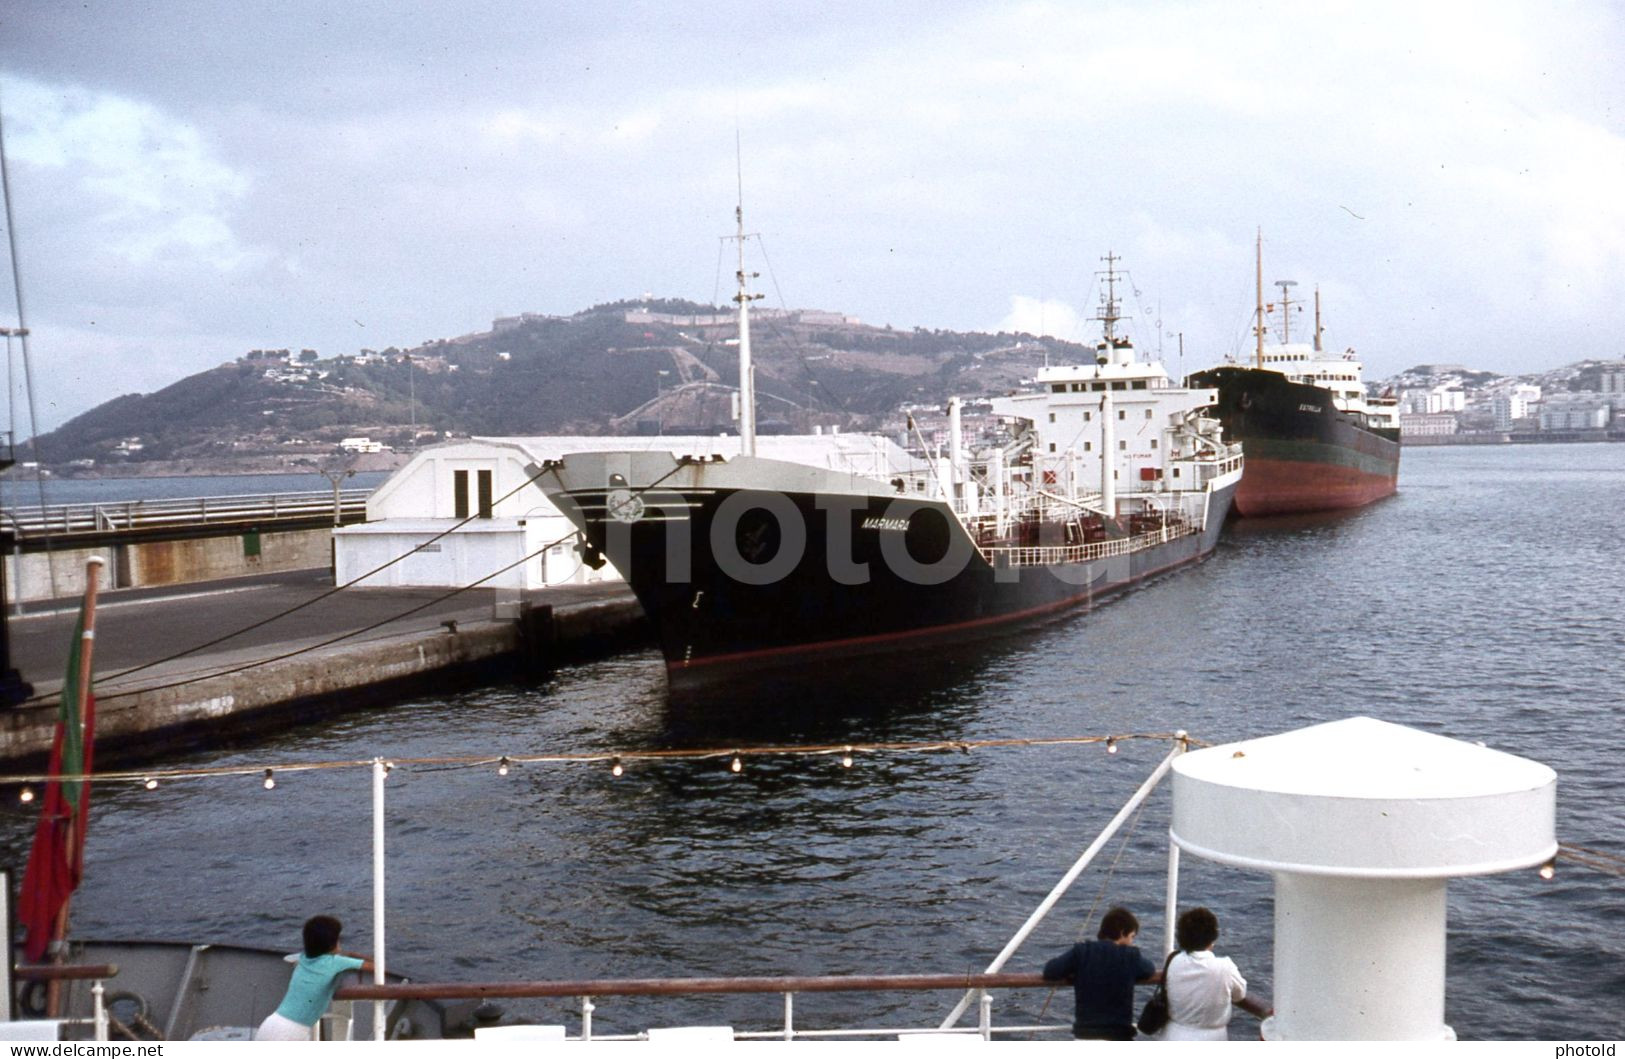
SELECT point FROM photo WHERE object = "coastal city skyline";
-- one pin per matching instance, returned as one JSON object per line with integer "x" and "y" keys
{"x": 202, "y": 181}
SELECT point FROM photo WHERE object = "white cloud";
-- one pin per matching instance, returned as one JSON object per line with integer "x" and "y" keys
{"x": 1045, "y": 317}
{"x": 145, "y": 181}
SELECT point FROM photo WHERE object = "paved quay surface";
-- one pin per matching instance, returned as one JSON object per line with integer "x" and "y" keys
{"x": 356, "y": 640}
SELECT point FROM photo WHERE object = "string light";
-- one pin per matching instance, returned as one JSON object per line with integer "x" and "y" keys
{"x": 615, "y": 768}
{"x": 26, "y": 795}
{"x": 502, "y": 766}
{"x": 1548, "y": 869}
{"x": 1111, "y": 744}
{"x": 270, "y": 780}
{"x": 150, "y": 779}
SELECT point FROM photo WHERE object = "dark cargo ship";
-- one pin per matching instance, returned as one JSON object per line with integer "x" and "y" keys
{"x": 1314, "y": 441}
{"x": 1113, "y": 474}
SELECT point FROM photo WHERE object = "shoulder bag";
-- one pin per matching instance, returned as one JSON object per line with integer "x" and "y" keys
{"x": 1154, "y": 1016}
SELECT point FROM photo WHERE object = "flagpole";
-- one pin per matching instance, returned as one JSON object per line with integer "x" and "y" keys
{"x": 87, "y": 644}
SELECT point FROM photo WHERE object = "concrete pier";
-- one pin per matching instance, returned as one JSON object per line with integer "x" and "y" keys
{"x": 310, "y": 664}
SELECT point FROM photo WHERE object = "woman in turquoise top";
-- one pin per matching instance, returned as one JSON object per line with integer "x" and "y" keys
{"x": 313, "y": 983}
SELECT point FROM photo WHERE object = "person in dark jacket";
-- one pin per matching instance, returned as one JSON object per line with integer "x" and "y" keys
{"x": 1103, "y": 973}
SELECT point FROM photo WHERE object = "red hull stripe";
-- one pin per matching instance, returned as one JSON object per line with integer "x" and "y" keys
{"x": 926, "y": 632}
{"x": 1283, "y": 487}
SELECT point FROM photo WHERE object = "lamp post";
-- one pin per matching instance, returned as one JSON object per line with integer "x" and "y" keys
{"x": 412, "y": 399}
{"x": 337, "y": 477}
{"x": 13, "y": 688}
{"x": 11, "y": 392}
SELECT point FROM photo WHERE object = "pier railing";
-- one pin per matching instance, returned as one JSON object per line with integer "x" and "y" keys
{"x": 592, "y": 990}
{"x": 135, "y": 515}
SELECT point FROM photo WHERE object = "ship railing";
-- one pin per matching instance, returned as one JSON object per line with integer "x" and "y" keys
{"x": 589, "y": 992}
{"x": 69, "y": 519}
{"x": 975, "y": 988}
{"x": 1082, "y": 553}
{"x": 46, "y": 976}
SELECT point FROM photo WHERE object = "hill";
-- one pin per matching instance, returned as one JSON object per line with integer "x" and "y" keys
{"x": 619, "y": 368}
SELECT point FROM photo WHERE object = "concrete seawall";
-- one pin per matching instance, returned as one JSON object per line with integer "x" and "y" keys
{"x": 227, "y": 693}
{"x": 33, "y": 576}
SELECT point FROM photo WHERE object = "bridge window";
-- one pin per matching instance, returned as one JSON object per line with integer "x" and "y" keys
{"x": 1119, "y": 385}
{"x": 485, "y": 494}
{"x": 1059, "y": 387}
{"x": 1139, "y": 384}
{"x": 459, "y": 494}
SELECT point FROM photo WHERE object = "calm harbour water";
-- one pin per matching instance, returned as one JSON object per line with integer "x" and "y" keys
{"x": 1482, "y": 603}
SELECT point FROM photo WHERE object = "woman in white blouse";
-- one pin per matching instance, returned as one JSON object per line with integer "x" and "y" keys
{"x": 1203, "y": 987}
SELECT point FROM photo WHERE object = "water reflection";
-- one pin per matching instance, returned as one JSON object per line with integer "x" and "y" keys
{"x": 827, "y": 702}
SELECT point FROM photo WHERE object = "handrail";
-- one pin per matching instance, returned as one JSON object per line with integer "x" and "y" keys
{"x": 137, "y": 514}
{"x": 602, "y": 987}
{"x": 71, "y": 972}
{"x": 1042, "y": 555}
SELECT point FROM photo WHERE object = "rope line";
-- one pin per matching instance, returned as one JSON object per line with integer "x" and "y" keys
{"x": 1595, "y": 859}
{"x": 330, "y": 641}
{"x": 334, "y": 591}
{"x": 329, "y": 593}
{"x": 624, "y": 757}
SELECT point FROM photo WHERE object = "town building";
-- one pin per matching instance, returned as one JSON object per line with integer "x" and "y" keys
{"x": 1418, "y": 424}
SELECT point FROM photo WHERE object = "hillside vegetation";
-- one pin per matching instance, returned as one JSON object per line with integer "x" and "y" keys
{"x": 620, "y": 368}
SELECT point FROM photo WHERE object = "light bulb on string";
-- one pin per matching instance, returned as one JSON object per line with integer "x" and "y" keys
{"x": 846, "y": 758}
{"x": 503, "y": 766}
{"x": 270, "y": 780}
{"x": 1111, "y": 744}
{"x": 736, "y": 765}
{"x": 150, "y": 783}
{"x": 1548, "y": 869}
{"x": 26, "y": 795}
{"x": 615, "y": 768}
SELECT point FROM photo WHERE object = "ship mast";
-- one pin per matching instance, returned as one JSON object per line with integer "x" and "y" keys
{"x": 1317, "y": 318}
{"x": 1258, "y": 275}
{"x": 1286, "y": 286}
{"x": 1108, "y": 304}
{"x": 747, "y": 379}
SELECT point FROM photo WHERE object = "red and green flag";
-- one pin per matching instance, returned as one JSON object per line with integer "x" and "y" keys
{"x": 56, "y": 862}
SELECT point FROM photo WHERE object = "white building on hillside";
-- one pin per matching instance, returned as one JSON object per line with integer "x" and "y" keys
{"x": 505, "y": 533}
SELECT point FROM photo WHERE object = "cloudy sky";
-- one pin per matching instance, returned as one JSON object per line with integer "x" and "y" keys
{"x": 191, "y": 180}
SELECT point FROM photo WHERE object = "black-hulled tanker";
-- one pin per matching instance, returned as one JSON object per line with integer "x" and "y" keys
{"x": 831, "y": 548}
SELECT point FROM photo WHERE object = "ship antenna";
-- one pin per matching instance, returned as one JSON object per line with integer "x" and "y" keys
{"x": 747, "y": 380}
{"x": 1258, "y": 312}
{"x": 1318, "y": 328}
{"x": 1286, "y": 286}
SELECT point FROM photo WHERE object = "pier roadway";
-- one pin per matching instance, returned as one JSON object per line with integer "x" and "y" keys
{"x": 218, "y": 691}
